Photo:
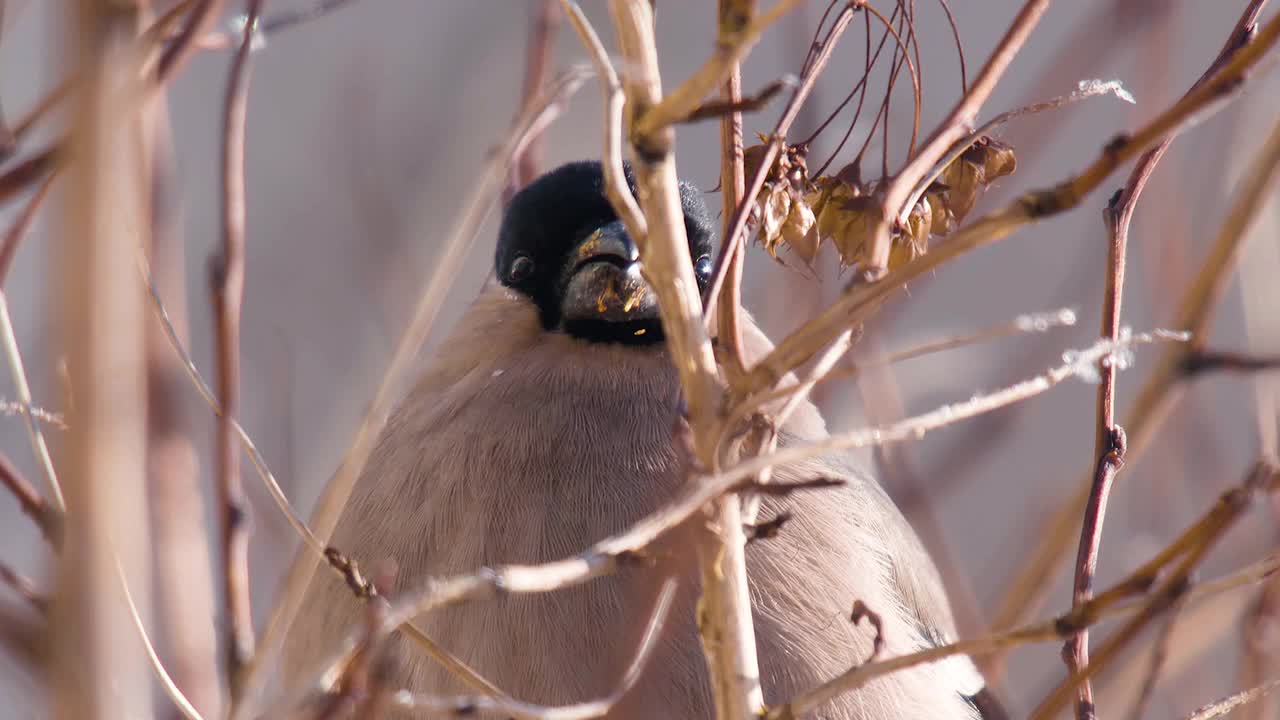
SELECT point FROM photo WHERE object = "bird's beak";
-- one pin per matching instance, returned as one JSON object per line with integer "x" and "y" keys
{"x": 602, "y": 281}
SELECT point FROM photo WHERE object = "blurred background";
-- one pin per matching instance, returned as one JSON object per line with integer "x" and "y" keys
{"x": 368, "y": 126}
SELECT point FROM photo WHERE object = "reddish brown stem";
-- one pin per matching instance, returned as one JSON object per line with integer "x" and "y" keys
{"x": 955, "y": 127}
{"x": 31, "y": 502}
{"x": 24, "y": 588}
{"x": 199, "y": 21}
{"x": 1028, "y": 586}
{"x": 542, "y": 33}
{"x": 19, "y": 176}
{"x": 734, "y": 237}
{"x": 732, "y": 188}
{"x": 227, "y": 281}
{"x": 21, "y": 224}
{"x": 1076, "y": 650}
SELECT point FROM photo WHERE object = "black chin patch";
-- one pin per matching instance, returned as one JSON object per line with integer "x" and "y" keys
{"x": 633, "y": 332}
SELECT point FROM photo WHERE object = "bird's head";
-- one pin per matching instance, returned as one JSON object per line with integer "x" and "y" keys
{"x": 563, "y": 248}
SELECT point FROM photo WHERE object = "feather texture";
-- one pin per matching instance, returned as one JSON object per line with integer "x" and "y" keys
{"x": 520, "y": 445}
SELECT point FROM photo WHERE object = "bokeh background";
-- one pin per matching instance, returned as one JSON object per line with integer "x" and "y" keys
{"x": 367, "y": 127}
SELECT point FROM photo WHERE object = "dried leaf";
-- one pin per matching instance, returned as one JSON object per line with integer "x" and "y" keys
{"x": 996, "y": 158}
{"x": 942, "y": 221}
{"x": 854, "y": 221}
{"x": 776, "y": 207}
{"x": 965, "y": 178}
{"x": 912, "y": 241}
{"x": 800, "y": 233}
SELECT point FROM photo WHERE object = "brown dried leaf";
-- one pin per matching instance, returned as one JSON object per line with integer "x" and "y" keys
{"x": 912, "y": 241}
{"x": 942, "y": 221}
{"x": 996, "y": 158}
{"x": 776, "y": 202}
{"x": 752, "y": 157}
{"x": 965, "y": 178}
{"x": 799, "y": 232}
{"x": 853, "y": 224}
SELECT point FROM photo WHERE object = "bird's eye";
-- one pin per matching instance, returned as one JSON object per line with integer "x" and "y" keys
{"x": 702, "y": 268}
{"x": 521, "y": 268}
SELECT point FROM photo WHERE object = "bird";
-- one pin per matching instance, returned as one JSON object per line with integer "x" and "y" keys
{"x": 548, "y": 420}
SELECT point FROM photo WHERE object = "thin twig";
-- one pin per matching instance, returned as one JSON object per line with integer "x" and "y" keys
{"x": 1027, "y": 589}
{"x": 335, "y": 560}
{"x": 1205, "y": 361}
{"x": 615, "y": 184}
{"x": 334, "y": 497}
{"x": 34, "y": 434}
{"x": 1110, "y": 460}
{"x": 957, "y": 125}
{"x": 20, "y": 175}
{"x": 289, "y": 18}
{"x": 1191, "y": 545}
{"x": 1084, "y": 90}
{"x": 470, "y": 706}
{"x": 1109, "y": 445}
{"x": 1155, "y": 665}
{"x": 1026, "y": 323}
{"x": 49, "y": 521}
{"x": 21, "y": 224}
{"x": 199, "y": 20}
{"x": 226, "y": 278}
{"x": 860, "y": 299}
{"x": 1225, "y": 706}
{"x": 24, "y": 588}
{"x": 542, "y": 33}
{"x": 733, "y": 42}
{"x": 732, "y": 190}
{"x": 171, "y": 689}
{"x": 734, "y": 240}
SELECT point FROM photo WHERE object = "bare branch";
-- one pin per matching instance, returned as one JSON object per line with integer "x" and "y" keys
{"x": 24, "y": 588}
{"x": 226, "y": 280}
{"x": 22, "y": 223}
{"x": 1157, "y": 394}
{"x": 1191, "y": 546}
{"x": 342, "y": 565}
{"x": 734, "y": 239}
{"x": 470, "y": 706}
{"x": 1155, "y": 665}
{"x": 171, "y": 689}
{"x": 49, "y": 521}
{"x": 861, "y": 299}
{"x": 34, "y": 434}
{"x": 1225, "y": 706}
{"x": 738, "y": 33}
{"x": 615, "y": 183}
{"x": 445, "y": 271}
{"x": 956, "y": 126}
{"x": 1084, "y": 90}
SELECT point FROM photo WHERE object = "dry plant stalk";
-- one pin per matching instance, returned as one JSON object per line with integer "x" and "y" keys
{"x": 724, "y": 621}
{"x": 858, "y": 301}
{"x": 226, "y": 281}
{"x": 1026, "y": 591}
{"x": 956, "y": 126}
{"x": 98, "y": 671}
